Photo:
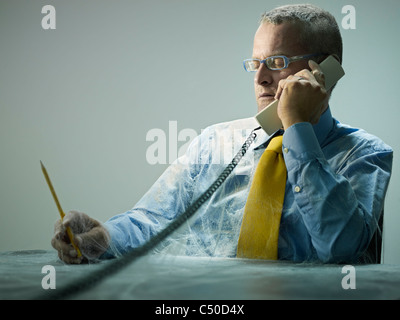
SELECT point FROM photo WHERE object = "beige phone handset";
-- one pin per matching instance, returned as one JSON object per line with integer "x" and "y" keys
{"x": 268, "y": 117}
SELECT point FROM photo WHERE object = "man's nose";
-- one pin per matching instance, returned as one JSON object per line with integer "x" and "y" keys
{"x": 263, "y": 76}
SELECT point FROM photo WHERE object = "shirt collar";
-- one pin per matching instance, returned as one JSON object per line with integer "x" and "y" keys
{"x": 321, "y": 130}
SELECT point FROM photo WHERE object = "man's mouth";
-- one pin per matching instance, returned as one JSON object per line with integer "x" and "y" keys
{"x": 266, "y": 95}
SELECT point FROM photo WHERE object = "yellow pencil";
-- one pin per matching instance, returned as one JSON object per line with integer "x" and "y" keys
{"x": 62, "y": 214}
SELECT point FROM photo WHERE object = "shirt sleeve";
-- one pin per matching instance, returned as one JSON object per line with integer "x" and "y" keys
{"x": 340, "y": 199}
{"x": 169, "y": 196}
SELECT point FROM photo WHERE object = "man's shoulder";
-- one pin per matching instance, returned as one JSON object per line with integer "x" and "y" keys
{"x": 360, "y": 136}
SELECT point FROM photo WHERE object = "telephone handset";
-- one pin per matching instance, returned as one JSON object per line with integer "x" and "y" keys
{"x": 268, "y": 117}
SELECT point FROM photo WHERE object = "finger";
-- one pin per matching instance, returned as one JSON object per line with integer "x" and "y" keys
{"x": 70, "y": 259}
{"x": 314, "y": 66}
{"x": 58, "y": 228}
{"x": 281, "y": 85}
{"x": 300, "y": 76}
{"x": 317, "y": 72}
{"x": 60, "y": 244}
{"x": 66, "y": 252}
{"x": 60, "y": 232}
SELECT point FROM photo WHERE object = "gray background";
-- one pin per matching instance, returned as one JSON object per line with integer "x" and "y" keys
{"x": 82, "y": 98}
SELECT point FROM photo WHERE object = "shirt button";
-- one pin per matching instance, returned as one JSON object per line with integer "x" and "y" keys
{"x": 285, "y": 150}
{"x": 297, "y": 189}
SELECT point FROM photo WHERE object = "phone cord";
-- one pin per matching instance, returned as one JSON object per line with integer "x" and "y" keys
{"x": 88, "y": 281}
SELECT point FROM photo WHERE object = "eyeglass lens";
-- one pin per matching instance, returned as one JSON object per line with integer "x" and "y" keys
{"x": 276, "y": 63}
{"x": 272, "y": 63}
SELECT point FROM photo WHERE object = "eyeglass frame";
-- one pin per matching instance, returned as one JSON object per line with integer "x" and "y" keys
{"x": 285, "y": 59}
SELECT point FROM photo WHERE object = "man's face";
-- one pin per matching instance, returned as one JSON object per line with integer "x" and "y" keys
{"x": 272, "y": 40}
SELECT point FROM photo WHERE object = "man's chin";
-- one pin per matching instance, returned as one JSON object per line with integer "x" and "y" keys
{"x": 262, "y": 106}
{"x": 264, "y": 103}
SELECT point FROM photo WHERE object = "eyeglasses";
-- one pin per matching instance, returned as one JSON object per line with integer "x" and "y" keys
{"x": 274, "y": 62}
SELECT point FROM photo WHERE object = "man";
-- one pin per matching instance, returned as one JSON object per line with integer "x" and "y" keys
{"x": 337, "y": 176}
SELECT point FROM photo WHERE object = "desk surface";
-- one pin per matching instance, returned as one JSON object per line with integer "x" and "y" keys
{"x": 159, "y": 277}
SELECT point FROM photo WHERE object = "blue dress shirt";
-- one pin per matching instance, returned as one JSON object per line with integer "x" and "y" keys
{"x": 336, "y": 184}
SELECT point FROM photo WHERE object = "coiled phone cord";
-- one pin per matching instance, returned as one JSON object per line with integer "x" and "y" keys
{"x": 82, "y": 284}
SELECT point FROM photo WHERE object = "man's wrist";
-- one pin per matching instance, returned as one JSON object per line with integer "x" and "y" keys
{"x": 288, "y": 123}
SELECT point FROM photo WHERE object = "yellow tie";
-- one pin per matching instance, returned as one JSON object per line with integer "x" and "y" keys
{"x": 258, "y": 238}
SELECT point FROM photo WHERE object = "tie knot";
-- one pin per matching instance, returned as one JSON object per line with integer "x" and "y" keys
{"x": 276, "y": 144}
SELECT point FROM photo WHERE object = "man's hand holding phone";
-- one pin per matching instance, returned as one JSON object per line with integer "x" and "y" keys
{"x": 302, "y": 96}
{"x": 295, "y": 104}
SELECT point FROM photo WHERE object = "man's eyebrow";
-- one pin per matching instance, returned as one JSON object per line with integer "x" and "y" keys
{"x": 270, "y": 55}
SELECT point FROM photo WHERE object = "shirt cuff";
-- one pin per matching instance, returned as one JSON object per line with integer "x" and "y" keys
{"x": 109, "y": 253}
{"x": 300, "y": 145}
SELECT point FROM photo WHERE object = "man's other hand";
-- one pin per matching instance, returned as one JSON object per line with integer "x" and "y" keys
{"x": 90, "y": 236}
